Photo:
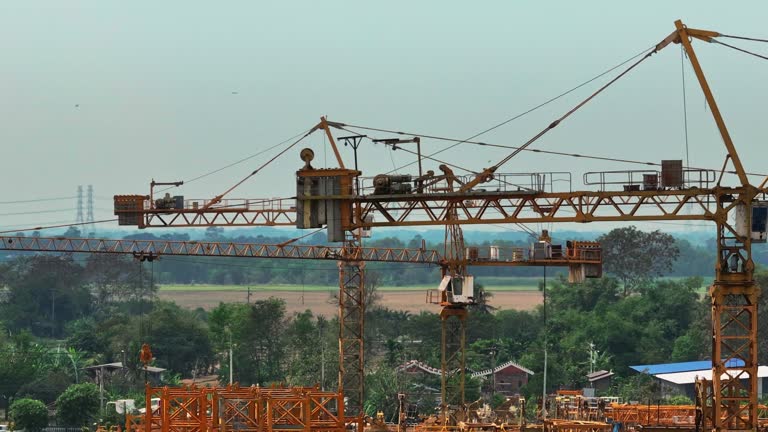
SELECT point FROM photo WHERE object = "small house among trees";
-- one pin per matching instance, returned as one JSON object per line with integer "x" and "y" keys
{"x": 600, "y": 380}
{"x": 508, "y": 378}
{"x": 107, "y": 370}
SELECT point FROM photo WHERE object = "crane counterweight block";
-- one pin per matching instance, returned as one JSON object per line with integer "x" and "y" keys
{"x": 320, "y": 200}
{"x": 129, "y": 209}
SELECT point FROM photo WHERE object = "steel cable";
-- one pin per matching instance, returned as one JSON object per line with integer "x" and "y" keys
{"x": 744, "y": 38}
{"x": 551, "y": 152}
{"x": 740, "y": 49}
{"x": 236, "y": 162}
{"x": 547, "y": 102}
{"x": 40, "y": 228}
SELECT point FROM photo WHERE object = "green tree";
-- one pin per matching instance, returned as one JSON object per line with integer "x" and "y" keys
{"x": 29, "y": 414}
{"x": 86, "y": 334}
{"x": 47, "y": 387}
{"x": 258, "y": 338}
{"x": 482, "y": 303}
{"x": 639, "y": 387}
{"x": 381, "y": 393}
{"x": 679, "y": 400}
{"x": 21, "y": 362}
{"x": 516, "y": 330}
{"x": 116, "y": 278}
{"x": 44, "y": 293}
{"x": 78, "y": 405}
{"x": 178, "y": 339}
{"x": 636, "y": 256}
{"x": 302, "y": 345}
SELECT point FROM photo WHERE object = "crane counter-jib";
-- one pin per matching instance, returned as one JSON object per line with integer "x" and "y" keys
{"x": 479, "y": 207}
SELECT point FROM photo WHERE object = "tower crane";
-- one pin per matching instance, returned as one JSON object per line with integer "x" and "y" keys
{"x": 330, "y": 198}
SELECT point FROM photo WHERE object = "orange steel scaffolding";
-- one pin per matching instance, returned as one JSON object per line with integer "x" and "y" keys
{"x": 234, "y": 408}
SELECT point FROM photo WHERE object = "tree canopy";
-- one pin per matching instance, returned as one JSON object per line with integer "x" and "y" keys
{"x": 636, "y": 256}
{"x": 29, "y": 414}
{"x": 78, "y": 405}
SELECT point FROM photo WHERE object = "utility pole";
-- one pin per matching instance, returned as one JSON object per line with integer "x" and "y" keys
{"x": 592, "y": 357}
{"x": 493, "y": 352}
{"x": 544, "y": 386}
{"x": 53, "y": 311}
{"x": 322, "y": 356}
{"x": 229, "y": 333}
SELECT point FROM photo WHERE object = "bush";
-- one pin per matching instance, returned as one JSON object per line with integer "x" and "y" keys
{"x": 78, "y": 405}
{"x": 679, "y": 400}
{"x": 29, "y": 414}
{"x": 46, "y": 388}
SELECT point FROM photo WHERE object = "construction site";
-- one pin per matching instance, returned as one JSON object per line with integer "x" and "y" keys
{"x": 347, "y": 203}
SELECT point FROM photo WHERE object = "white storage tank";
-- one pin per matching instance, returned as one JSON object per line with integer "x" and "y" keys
{"x": 493, "y": 253}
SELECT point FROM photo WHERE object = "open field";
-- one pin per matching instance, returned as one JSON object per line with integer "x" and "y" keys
{"x": 321, "y": 302}
{"x": 508, "y": 293}
{"x": 490, "y": 283}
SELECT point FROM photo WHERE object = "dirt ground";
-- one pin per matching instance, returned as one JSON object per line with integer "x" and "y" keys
{"x": 321, "y": 303}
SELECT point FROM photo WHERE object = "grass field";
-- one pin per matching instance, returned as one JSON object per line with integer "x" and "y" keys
{"x": 325, "y": 303}
{"x": 508, "y": 293}
{"x": 490, "y": 283}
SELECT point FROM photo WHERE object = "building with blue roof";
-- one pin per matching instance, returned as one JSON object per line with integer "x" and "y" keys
{"x": 680, "y": 378}
{"x": 665, "y": 368}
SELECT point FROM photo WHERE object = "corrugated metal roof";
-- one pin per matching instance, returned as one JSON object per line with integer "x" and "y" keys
{"x": 664, "y": 368}
{"x": 502, "y": 367}
{"x": 689, "y": 377}
{"x": 119, "y": 365}
{"x": 435, "y": 371}
{"x": 598, "y": 375}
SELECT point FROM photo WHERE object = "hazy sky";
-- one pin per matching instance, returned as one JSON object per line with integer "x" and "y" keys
{"x": 116, "y": 93}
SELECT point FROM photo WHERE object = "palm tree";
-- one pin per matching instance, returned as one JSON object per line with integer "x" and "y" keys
{"x": 482, "y": 300}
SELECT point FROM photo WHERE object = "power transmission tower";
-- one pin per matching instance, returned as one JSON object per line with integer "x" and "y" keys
{"x": 79, "y": 219}
{"x": 89, "y": 220}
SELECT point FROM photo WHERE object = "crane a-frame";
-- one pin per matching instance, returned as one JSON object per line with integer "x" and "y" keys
{"x": 332, "y": 199}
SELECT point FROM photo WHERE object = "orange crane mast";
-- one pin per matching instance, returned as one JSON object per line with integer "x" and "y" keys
{"x": 330, "y": 198}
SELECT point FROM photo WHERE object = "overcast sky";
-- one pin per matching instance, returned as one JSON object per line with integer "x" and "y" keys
{"x": 114, "y": 94}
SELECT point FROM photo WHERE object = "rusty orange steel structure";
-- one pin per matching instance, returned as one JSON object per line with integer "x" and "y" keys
{"x": 572, "y": 405}
{"x": 733, "y": 292}
{"x": 150, "y": 249}
{"x": 234, "y": 408}
{"x": 664, "y": 415}
{"x": 147, "y": 250}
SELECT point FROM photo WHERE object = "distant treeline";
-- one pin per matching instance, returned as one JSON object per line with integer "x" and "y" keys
{"x": 692, "y": 261}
